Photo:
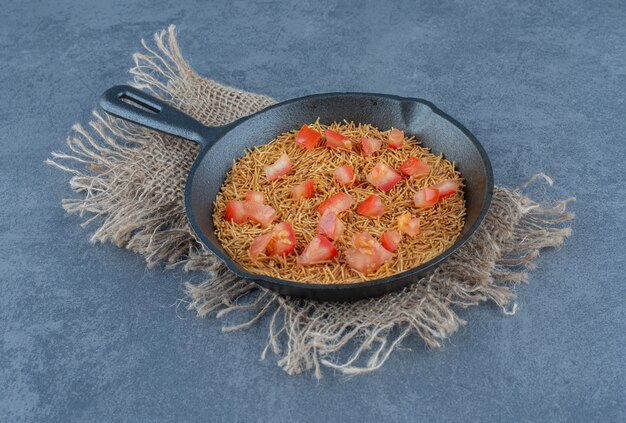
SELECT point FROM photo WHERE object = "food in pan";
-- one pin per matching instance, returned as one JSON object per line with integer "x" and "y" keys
{"x": 339, "y": 203}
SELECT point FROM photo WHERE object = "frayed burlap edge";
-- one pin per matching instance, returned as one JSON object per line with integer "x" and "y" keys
{"x": 131, "y": 182}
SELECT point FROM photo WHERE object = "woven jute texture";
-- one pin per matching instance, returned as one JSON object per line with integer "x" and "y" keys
{"x": 130, "y": 182}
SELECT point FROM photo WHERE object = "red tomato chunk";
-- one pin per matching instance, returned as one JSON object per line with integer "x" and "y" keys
{"x": 281, "y": 167}
{"x": 303, "y": 190}
{"x": 259, "y": 213}
{"x": 236, "y": 212}
{"x": 383, "y": 177}
{"x": 242, "y": 211}
{"x": 344, "y": 175}
{"x": 390, "y": 240}
{"x": 446, "y": 188}
{"x": 414, "y": 166}
{"x": 259, "y": 245}
{"x": 366, "y": 255}
{"x": 426, "y": 197}
{"x": 331, "y": 226}
{"x": 396, "y": 139}
{"x": 319, "y": 250}
{"x": 372, "y": 206}
{"x": 255, "y": 196}
{"x": 336, "y": 141}
{"x": 338, "y": 203}
{"x": 370, "y": 145}
{"x": 409, "y": 225}
{"x": 279, "y": 241}
{"x": 308, "y": 138}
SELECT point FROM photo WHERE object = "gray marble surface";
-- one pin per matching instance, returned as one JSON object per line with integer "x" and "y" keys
{"x": 88, "y": 334}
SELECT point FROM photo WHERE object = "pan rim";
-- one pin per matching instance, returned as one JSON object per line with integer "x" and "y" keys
{"x": 317, "y": 287}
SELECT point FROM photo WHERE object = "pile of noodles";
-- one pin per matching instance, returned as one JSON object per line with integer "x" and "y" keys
{"x": 440, "y": 225}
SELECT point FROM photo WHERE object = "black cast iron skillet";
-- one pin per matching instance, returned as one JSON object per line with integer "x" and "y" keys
{"x": 221, "y": 145}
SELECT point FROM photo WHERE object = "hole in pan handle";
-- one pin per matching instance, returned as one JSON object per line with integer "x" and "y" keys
{"x": 134, "y": 105}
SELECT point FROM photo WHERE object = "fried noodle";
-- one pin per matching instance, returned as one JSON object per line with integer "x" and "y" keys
{"x": 440, "y": 226}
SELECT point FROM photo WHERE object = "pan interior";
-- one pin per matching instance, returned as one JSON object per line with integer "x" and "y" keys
{"x": 416, "y": 117}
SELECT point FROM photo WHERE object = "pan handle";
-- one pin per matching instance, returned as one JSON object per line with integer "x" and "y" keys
{"x": 134, "y": 105}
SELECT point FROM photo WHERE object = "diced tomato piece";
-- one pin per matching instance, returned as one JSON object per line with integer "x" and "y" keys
{"x": 255, "y": 196}
{"x": 396, "y": 139}
{"x": 391, "y": 240}
{"x": 308, "y": 138}
{"x": 338, "y": 203}
{"x": 240, "y": 211}
{"x": 363, "y": 240}
{"x": 414, "y": 166}
{"x": 446, "y": 188}
{"x": 383, "y": 177}
{"x": 303, "y": 190}
{"x": 283, "y": 240}
{"x": 361, "y": 261}
{"x": 281, "y": 167}
{"x": 259, "y": 213}
{"x": 259, "y": 245}
{"x": 372, "y": 206}
{"x": 426, "y": 197}
{"x": 344, "y": 175}
{"x": 408, "y": 225}
{"x": 367, "y": 255}
{"x": 335, "y": 140}
{"x": 236, "y": 212}
{"x": 370, "y": 145}
{"x": 331, "y": 226}
{"x": 320, "y": 249}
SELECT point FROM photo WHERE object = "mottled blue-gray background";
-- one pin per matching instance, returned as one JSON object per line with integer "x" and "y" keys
{"x": 88, "y": 334}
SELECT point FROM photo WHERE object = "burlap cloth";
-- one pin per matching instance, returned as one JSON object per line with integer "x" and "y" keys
{"x": 130, "y": 183}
